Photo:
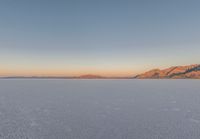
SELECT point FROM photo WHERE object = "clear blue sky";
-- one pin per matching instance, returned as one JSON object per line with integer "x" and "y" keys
{"x": 110, "y": 37}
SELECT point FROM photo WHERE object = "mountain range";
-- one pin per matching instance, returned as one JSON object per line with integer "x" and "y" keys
{"x": 176, "y": 72}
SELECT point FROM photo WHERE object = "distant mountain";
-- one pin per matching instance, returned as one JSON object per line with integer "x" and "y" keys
{"x": 177, "y": 72}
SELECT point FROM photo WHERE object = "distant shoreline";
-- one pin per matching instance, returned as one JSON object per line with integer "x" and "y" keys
{"x": 65, "y": 78}
{"x": 106, "y": 78}
{"x": 175, "y": 72}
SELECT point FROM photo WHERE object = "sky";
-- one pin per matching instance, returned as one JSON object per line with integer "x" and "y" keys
{"x": 105, "y": 37}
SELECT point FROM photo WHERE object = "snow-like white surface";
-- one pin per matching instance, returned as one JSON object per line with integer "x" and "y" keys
{"x": 99, "y": 109}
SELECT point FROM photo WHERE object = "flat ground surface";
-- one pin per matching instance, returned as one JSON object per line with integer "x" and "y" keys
{"x": 99, "y": 109}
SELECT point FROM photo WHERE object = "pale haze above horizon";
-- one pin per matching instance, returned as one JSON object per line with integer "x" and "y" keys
{"x": 103, "y": 37}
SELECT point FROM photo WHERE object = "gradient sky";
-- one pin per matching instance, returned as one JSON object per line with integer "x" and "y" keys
{"x": 107, "y": 37}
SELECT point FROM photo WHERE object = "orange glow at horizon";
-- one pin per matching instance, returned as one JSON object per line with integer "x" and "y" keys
{"x": 70, "y": 72}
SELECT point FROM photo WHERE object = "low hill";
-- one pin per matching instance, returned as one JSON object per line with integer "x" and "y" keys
{"x": 90, "y": 76}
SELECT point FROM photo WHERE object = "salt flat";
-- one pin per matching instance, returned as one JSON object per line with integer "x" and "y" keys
{"x": 99, "y": 109}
